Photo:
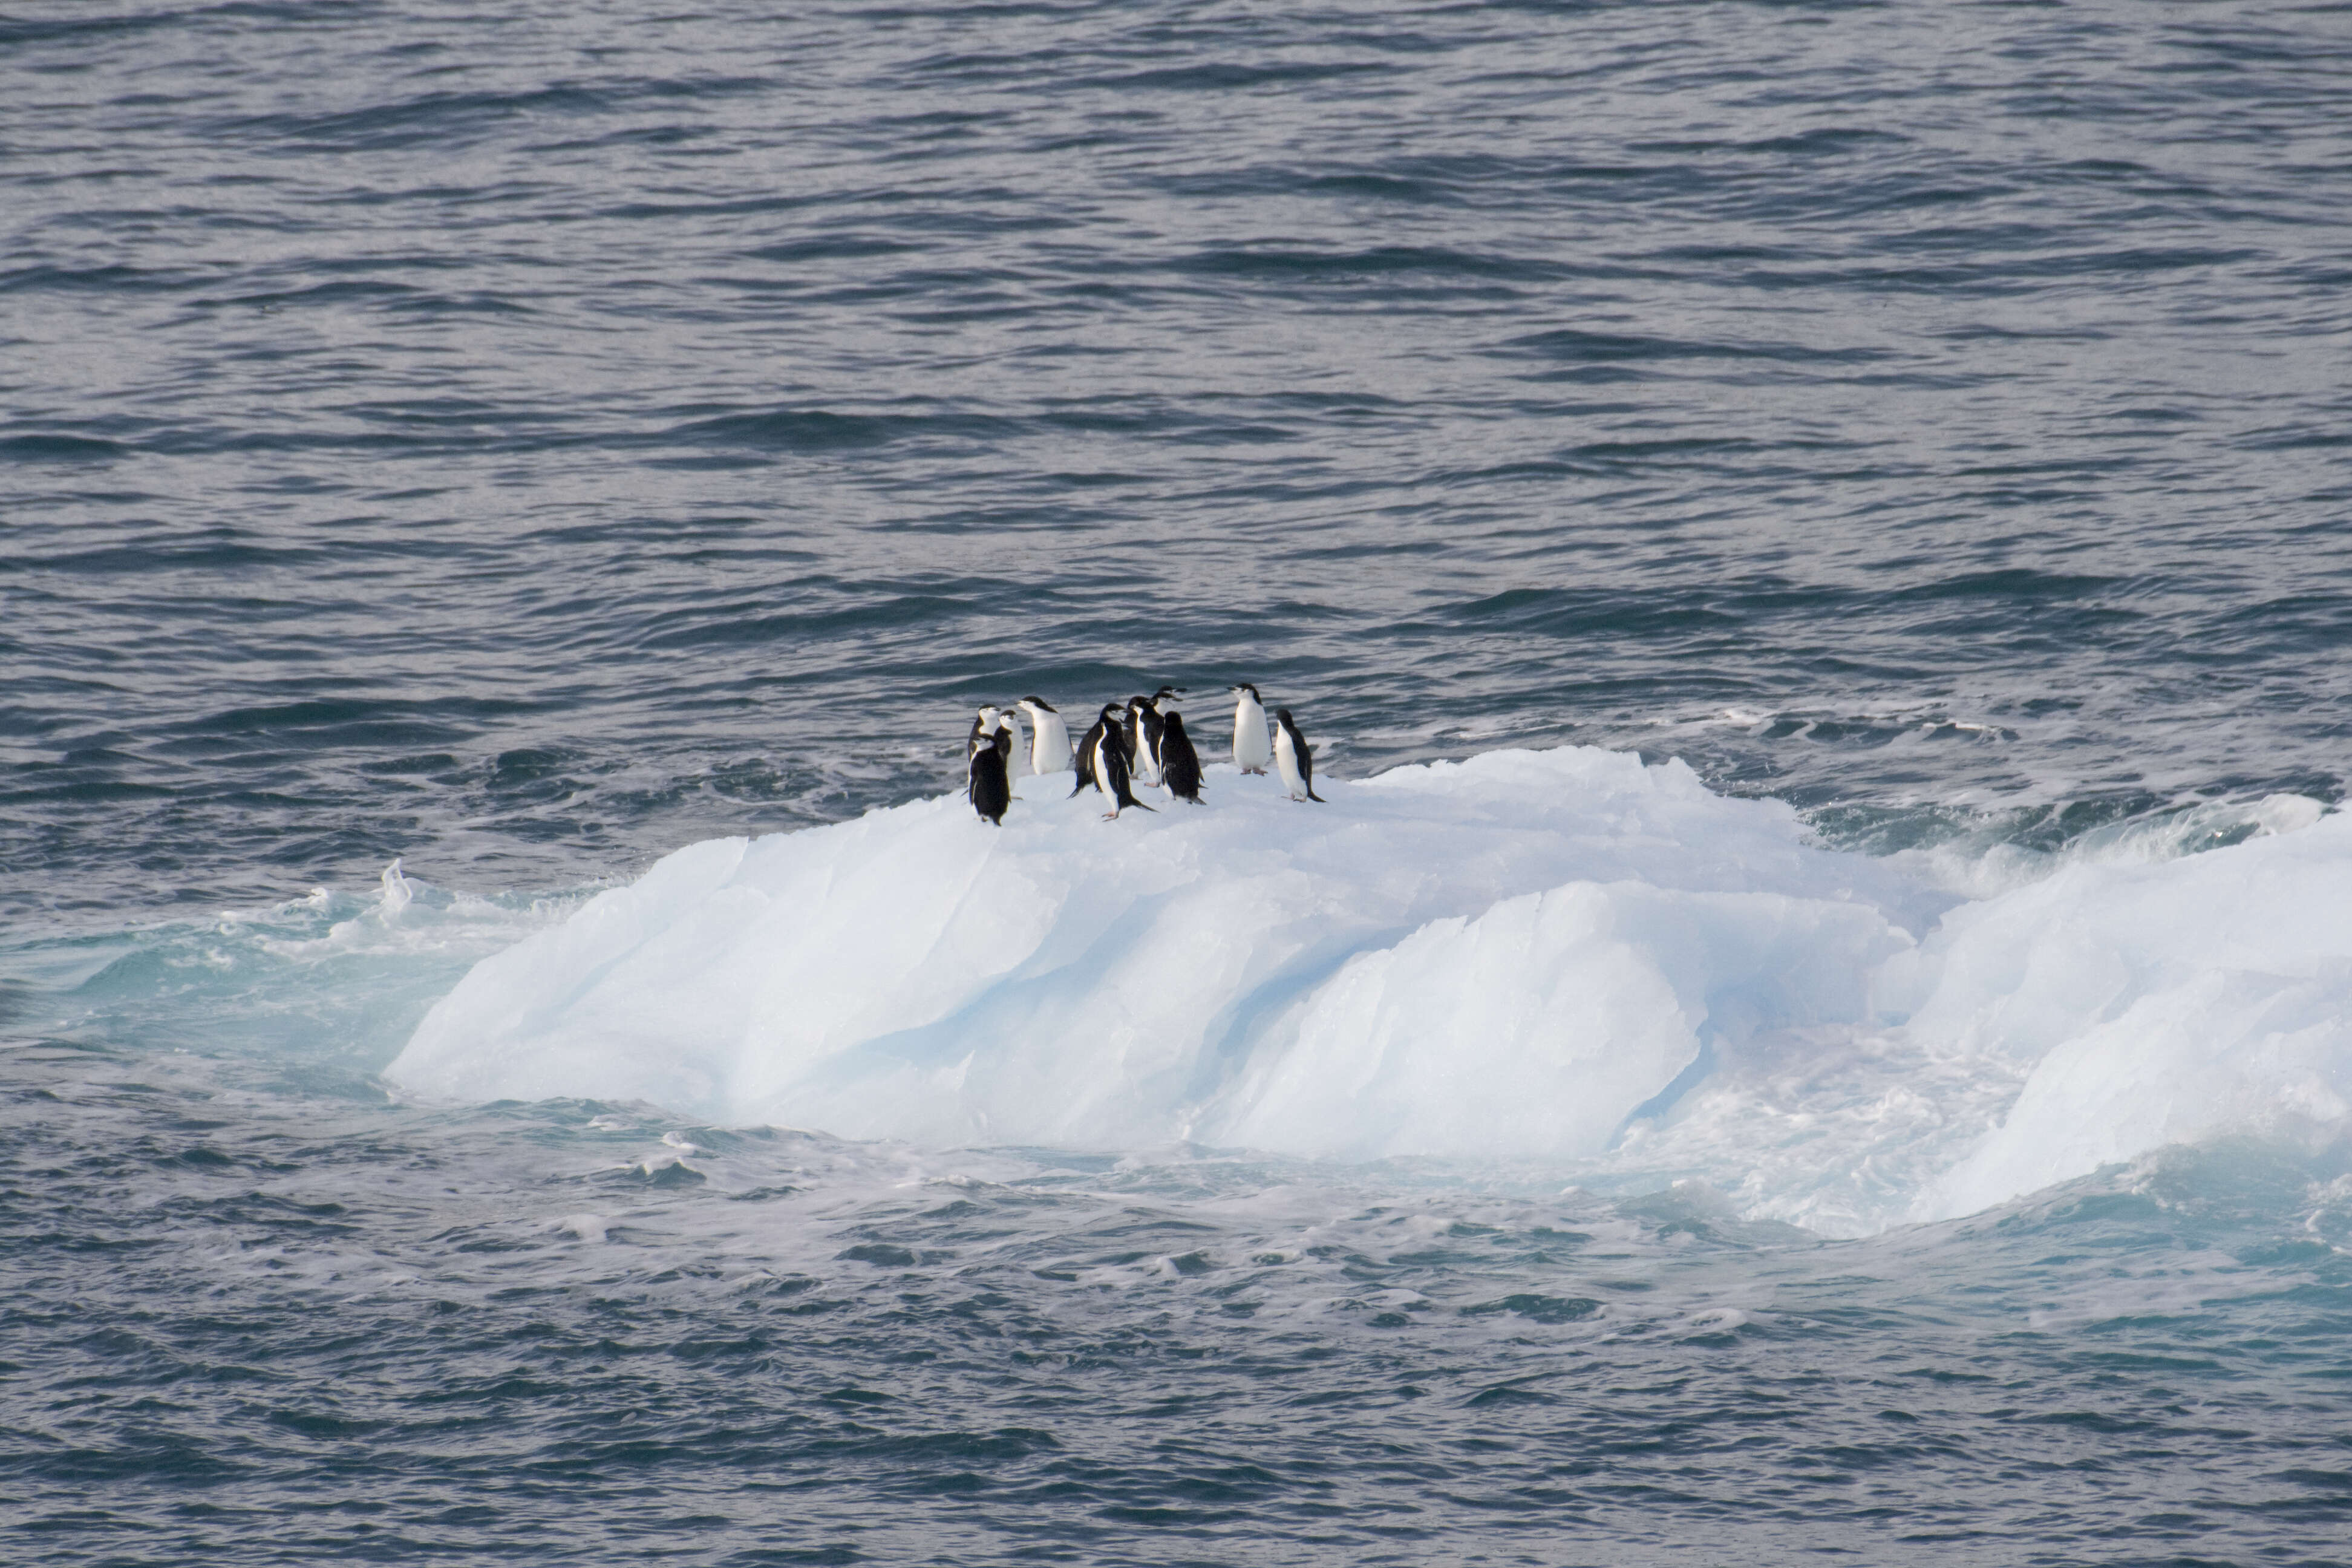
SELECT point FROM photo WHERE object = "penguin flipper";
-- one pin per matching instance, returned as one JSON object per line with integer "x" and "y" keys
{"x": 1313, "y": 796}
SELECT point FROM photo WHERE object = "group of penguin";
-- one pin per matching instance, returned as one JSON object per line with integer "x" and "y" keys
{"x": 1140, "y": 741}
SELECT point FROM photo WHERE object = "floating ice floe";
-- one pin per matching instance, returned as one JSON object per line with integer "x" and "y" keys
{"x": 1558, "y": 956}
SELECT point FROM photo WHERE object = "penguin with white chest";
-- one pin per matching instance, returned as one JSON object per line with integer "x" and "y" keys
{"x": 1111, "y": 766}
{"x": 1049, "y": 738}
{"x": 1251, "y": 752}
{"x": 982, "y": 729}
{"x": 1103, "y": 731}
{"x": 1016, "y": 759}
{"x": 1140, "y": 727}
{"x": 1295, "y": 758}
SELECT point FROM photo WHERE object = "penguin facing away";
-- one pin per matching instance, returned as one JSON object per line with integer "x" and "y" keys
{"x": 1180, "y": 764}
{"x": 1295, "y": 758}
{"x": 1111, "y": 770}
{"x": 1049, "y": 742}
{"x": 990, "y": 786}
{"x": 1251, "y": 752}
{"x": 1103, "y": 731}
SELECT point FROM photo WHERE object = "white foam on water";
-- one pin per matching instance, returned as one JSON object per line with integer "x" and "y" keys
{"x": 324, "y": 976}
{"x": 1558, "y": 956}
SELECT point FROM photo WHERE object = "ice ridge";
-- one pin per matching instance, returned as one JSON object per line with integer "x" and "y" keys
{"x": 1565, "y": 955}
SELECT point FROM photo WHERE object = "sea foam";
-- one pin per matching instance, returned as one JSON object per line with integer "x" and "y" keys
{"x": 1559, "y": 956}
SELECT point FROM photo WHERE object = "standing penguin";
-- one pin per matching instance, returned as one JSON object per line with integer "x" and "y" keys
{"x": 982, "y": 729}
{"x": 1103, "y": 731}
{"x": 1016, "y": 761}
{"x": 1154, "y": 717}
{"x": 1251, "y": 753}
{"x": 1180, "y": 764}
{"x": 1049, "y": 742}
{"x": 990, "y": 786}
{"x": 1110, "y": 767}
{"x": 1137, "y": 727}
{"x": 1296, "y": 758}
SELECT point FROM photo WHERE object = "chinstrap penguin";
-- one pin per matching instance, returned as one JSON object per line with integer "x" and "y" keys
{"x": 1110, "y": 767}
{"x": 1295, "y": 758}
{"x": 1016, "y": 760}
{"x": 1251, "y": 753}
{"x": 1103, "y": 731}
{"x": 981, "y": 728}
{"x": 988, "y": 783}
{"x": 1049, "y": 744}
{"x": 1140, "y": 726}
{"x": 1156, "y": 709}
{"x": 1179, "y": 765}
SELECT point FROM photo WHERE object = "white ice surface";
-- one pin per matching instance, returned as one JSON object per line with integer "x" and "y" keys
{"x": 1561, "y": 956}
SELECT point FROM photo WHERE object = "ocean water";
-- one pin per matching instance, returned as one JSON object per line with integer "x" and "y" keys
{"x": 527, "y": 443}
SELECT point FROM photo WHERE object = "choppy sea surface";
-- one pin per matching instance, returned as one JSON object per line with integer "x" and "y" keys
{"x": 523, "y": 441}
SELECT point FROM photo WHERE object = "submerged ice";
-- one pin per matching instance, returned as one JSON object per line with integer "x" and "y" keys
{"x": 1566, "y": 957}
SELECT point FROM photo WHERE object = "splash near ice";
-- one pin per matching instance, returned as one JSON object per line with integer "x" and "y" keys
{"x": 327, "y": 977}
{"x": 1558, "y": 956}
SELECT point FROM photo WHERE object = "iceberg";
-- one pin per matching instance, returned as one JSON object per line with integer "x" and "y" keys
{"x": 2147, "y": 1005}
{"x": 1566, "y": 956}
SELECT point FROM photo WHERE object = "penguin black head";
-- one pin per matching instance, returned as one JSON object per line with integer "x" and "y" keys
{"x": 1041, "y": 704}
{"x": 1282, "y": 716}
{"x": 1111, "y": 710}
{"x": 1245, "y": 686}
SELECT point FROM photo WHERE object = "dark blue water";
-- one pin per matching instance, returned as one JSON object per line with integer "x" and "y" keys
{"x": 314, "y": 1328}
{"x": 527, "y": 440}
{"x": 524, "y": 440}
